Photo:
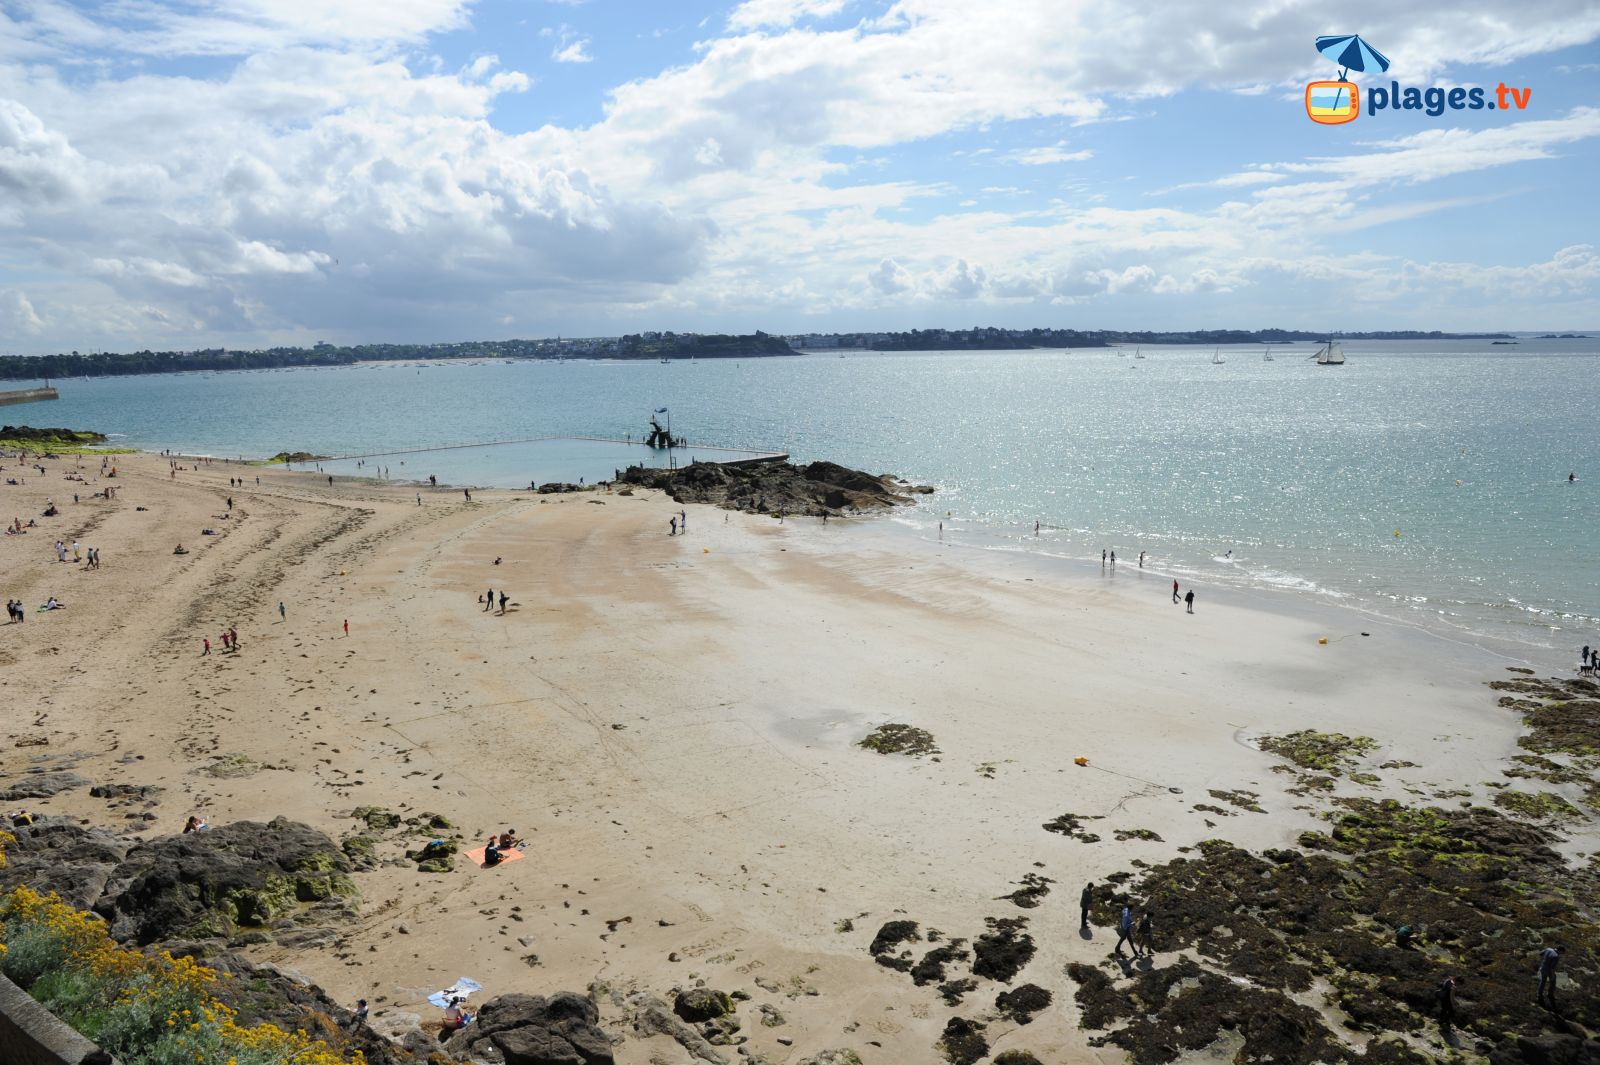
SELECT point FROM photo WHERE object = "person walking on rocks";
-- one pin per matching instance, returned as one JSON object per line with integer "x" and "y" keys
{"x": 1125, "y": 932}
{"x": 1085, "y": 900}
{"x": 1188, "y": 599}
{"x": 1445, "y": 993}
{"x": 1549, "y": 960}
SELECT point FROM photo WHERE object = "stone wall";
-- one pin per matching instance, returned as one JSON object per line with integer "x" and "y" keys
{"x": 31, "y": 1034}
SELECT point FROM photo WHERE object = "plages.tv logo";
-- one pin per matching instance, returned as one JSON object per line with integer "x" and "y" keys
{"x": 1332, "y": 103}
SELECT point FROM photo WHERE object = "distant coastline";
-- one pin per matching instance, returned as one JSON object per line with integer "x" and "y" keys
{"x": 661, "y": 347}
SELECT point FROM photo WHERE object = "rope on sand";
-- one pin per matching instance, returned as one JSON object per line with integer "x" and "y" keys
{"x": 1129, "y": 776}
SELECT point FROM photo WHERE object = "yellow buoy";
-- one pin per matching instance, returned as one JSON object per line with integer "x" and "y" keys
{"x": 1322, "y": 640}
{"x": 1080, "y": 760}
{"x": 705, "y": 550}
{"x": 1397, "y": 533}
{"x": 1458, "y": 484}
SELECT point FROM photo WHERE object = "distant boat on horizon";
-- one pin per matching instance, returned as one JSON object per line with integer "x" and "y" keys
{"x": 1216, "y": 358}
{"x": 1266, "y": 356}
{"x": 1138, "y": 353}
{"x": 1330, "y": 354}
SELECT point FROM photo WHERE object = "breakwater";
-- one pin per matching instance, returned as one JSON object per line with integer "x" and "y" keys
{"x": 28, "y": 395}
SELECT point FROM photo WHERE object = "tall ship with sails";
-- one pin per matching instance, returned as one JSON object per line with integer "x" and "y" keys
{"x": 1330, "y": 354}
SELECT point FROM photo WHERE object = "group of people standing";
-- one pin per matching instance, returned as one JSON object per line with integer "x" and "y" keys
{"x": 229, "y": 640}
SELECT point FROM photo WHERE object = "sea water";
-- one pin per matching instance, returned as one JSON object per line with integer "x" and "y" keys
{"x": 1427, "y": 481}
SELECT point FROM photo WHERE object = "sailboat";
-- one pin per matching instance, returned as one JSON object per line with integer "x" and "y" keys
{"x": 1216, "y": 358}
{"x": 1266, "y": 356}
{"x": 1330, "y": 354}
{"x": 1138, "y": 354}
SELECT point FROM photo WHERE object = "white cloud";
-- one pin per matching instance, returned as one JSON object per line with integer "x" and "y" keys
{"x": 1048, "y": 154}
{"x": 338, "y": 176}
{"x": 17, "y": 316}
{"x": 754, "y": 14}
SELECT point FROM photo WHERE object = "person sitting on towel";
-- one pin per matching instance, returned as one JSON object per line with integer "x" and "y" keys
{"x": 509, "y": 840}
{"x": 491, "y": 853}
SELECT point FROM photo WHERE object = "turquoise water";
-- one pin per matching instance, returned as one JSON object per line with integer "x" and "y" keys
{"x": 523, "y": 463}
{"x": 1304, "y": 473}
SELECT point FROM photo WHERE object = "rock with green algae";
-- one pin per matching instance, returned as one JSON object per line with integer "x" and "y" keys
{"x": 900, "y": 739}
{"x": 1323, "y": 752}
{"x": 362, "y": 852}
{"x": 377, "y": 818}
{"x": 1541, "y": 806}
{"x": 435, "y": 856}
{"x": 225, "y": 880}
{"x": 699, "y": 1004}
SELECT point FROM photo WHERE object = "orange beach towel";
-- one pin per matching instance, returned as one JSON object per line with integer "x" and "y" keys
{"x": 505, "y": 856}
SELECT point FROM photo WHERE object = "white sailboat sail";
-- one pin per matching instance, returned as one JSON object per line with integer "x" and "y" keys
{"x": 1330, "y": 354}
{"x": 1216, "y": 358}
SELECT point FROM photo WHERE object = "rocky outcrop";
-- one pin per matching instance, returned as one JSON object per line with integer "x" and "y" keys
{"x": 532, "y": 1030}
{"x": 37, "y": 784}
{"x": 226, "y": 880}
{"x": 57, "y": 855}
{"x": 778, "y": 487}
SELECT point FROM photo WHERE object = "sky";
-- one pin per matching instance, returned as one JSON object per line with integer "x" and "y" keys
{"x": 250, "y": 173}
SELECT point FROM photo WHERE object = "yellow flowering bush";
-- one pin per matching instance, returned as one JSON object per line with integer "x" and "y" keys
{"x": 147, "y": 1009}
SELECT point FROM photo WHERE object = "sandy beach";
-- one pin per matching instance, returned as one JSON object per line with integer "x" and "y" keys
{"x": 673, "y": 724}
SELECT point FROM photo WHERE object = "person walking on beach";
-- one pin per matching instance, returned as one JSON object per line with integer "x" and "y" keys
{"x": 207, "y": 644}
{"x": 347, "y": 626}
{"x": 1141, "y": 560}
{"x": 504, "y": 598}
{"x": 281, "y": 615}
{"x": 1549, "y": 959}
{"x": 468, "y": 493}
{"x": 1102, "y": 556}
{"x": 488, "y": 601}
{"x": 233, "y": 637}
{"x": 1189, "y": 599}
{"x": 683, "y": 521}
{"x": 419, "y": 499}
{"x": 1085, "y": 900}
{"x": 673, "y": 523}
{"x": 330, "y": 480}
{"x": 1174, "y": 591}
{"x": 1125, "y": 932}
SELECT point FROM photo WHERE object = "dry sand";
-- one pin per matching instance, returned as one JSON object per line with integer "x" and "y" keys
{"x": 672, "y": 722}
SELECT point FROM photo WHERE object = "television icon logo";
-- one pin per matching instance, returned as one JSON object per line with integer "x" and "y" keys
{"x": 1332, "y": 103}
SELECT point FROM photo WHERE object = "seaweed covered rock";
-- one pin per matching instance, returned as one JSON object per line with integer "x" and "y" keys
{"x": 246, "y": 875}
{"x": 777, "y": 487}
{"x": 533, "y": 1030}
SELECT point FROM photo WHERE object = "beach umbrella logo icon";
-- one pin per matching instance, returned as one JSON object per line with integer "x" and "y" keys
{"x": 1332, "y": 103}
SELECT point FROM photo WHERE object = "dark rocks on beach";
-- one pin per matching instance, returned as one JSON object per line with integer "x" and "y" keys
{"x": 777, "y": 487}
{"x": 126, "y": 791}
{"x": 224, "y": 880}
{"x": 435, "y": 856}
{"x": 533, "y": 1030}
{"x": 37, "y": 785}
{"x": 1032, "y": 892}
{"x": 1072, "y": 825}
{"x": 885, "y": 943}
{"x": 900, "y": 739}
{"x": 54, "y": 854}
{"x": 560, "y": 487}
{"x": 701, "y": 1004}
